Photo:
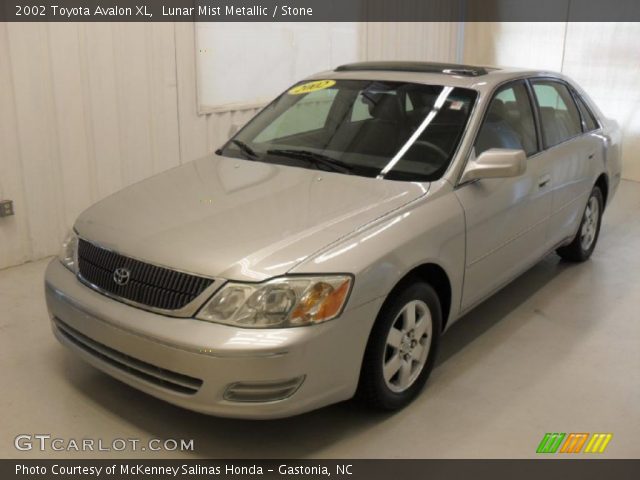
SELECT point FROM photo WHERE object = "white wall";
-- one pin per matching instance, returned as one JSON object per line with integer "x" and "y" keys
{"x": 432, "y": 41}
{"x": 232, "y": 58}
{"x": 604, "y": 58}
{"x": 86, "y": 109}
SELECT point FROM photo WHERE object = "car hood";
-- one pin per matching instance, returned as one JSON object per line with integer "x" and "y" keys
{"x": 238, "y": 219}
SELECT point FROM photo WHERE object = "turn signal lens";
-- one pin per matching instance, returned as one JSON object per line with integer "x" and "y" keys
{"x": 282, "y": 302}
{"x": 320, "y": 303}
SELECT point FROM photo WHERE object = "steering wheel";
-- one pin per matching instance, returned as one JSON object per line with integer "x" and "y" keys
{"x": 433, "y": 147}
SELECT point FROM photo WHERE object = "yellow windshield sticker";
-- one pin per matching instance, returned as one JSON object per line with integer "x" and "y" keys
{"x": 311, "y": 87}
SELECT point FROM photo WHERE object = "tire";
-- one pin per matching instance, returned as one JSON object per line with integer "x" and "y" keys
{"x": 386, "y": 350}
{"x": 583, "y": 244}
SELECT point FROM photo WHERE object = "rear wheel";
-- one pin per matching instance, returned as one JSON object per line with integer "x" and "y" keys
{"x": 402, "y": 347}
{"x": 583, "y": 244}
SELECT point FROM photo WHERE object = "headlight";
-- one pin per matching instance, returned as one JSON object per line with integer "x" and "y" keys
{"x": 69, "y": 252}
{"x": 282, "y": 302}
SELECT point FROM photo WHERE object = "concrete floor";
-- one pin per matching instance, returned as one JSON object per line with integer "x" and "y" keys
{"x": 556, "y": 351}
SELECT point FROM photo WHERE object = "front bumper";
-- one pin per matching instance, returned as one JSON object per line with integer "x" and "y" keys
{"x": 206, "y": 358}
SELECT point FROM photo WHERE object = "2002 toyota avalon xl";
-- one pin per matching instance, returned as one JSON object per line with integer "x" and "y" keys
{"x": 325, "y": 248}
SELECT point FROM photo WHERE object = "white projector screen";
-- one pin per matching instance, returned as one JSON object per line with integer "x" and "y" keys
{"x": 244, "y": 65}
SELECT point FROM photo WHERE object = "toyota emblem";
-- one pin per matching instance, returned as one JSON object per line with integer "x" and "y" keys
{"x": 121, "y": 276}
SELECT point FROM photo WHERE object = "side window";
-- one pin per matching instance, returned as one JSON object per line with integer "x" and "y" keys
{"x": 509, "y": 122}
{"x": 408, "y": 105}
{"x": 589, "y": 123}
{"x": 360, "y": 110}
{"x": 558, "y": 113}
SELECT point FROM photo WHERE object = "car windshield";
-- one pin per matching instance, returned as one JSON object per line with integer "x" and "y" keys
{"x": 393, "y": 130}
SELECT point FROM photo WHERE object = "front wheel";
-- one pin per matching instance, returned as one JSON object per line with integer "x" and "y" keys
{"x": 583, "y": 244}
{"x": 402, "y": 347}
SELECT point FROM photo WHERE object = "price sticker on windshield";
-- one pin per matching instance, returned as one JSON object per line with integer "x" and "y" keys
{"x": 311, "y": 87}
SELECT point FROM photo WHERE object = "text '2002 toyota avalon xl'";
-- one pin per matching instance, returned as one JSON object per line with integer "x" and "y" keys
{"x": 323, "y": 250}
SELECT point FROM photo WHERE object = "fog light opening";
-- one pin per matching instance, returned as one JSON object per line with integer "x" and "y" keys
{"x": 262, "y": 391}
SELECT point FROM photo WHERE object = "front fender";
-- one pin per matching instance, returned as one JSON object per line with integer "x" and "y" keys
{"x": 429, "y": 230}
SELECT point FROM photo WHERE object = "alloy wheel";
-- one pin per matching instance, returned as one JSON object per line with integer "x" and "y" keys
{"x": 407, "y": 346}
{"x": 590, "y": 223}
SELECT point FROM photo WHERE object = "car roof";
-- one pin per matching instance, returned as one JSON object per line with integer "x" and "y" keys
{"x": 482, "y": 78}
{"x": 423, "y": 67}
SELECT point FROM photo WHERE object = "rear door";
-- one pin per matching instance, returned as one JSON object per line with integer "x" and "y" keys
{"x": 571, "y": 152}
{"x": 506, "y": 218}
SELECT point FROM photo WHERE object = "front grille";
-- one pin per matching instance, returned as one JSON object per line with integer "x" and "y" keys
{"x": 161, "y": 377}
{"x": 148, "y": 285}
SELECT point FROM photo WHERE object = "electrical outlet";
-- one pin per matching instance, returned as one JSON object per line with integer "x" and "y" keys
{"x": 6, "y": 208}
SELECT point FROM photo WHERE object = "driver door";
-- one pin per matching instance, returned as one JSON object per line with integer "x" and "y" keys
{"x": 506, "y": 218}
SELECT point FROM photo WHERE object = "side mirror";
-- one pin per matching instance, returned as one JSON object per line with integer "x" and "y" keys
{"x": 496, "y": 163}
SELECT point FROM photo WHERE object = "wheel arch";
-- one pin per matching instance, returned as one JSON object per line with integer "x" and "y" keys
{"x": 437, "y": 277}
{"x": 603, "y": 184}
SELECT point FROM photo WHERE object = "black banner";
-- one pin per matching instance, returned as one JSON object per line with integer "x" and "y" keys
{"x": 583, "y": 469}
{"x": 319, "y": 10}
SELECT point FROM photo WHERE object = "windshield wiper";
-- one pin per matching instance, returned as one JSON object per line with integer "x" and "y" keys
{"x": 246, "y": 149}
{"x": 315, "y": 158}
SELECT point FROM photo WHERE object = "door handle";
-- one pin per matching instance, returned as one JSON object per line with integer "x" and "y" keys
{"x": 544, "y": 180}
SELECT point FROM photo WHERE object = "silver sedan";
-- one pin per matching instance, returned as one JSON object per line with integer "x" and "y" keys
{"x": 325, "y": 248}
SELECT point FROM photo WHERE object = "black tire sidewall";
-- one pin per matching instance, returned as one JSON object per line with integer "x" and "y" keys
{"x": 598, "y": 195}
{"x": 372, "y": 379}
{"x": 574, "y": 252}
